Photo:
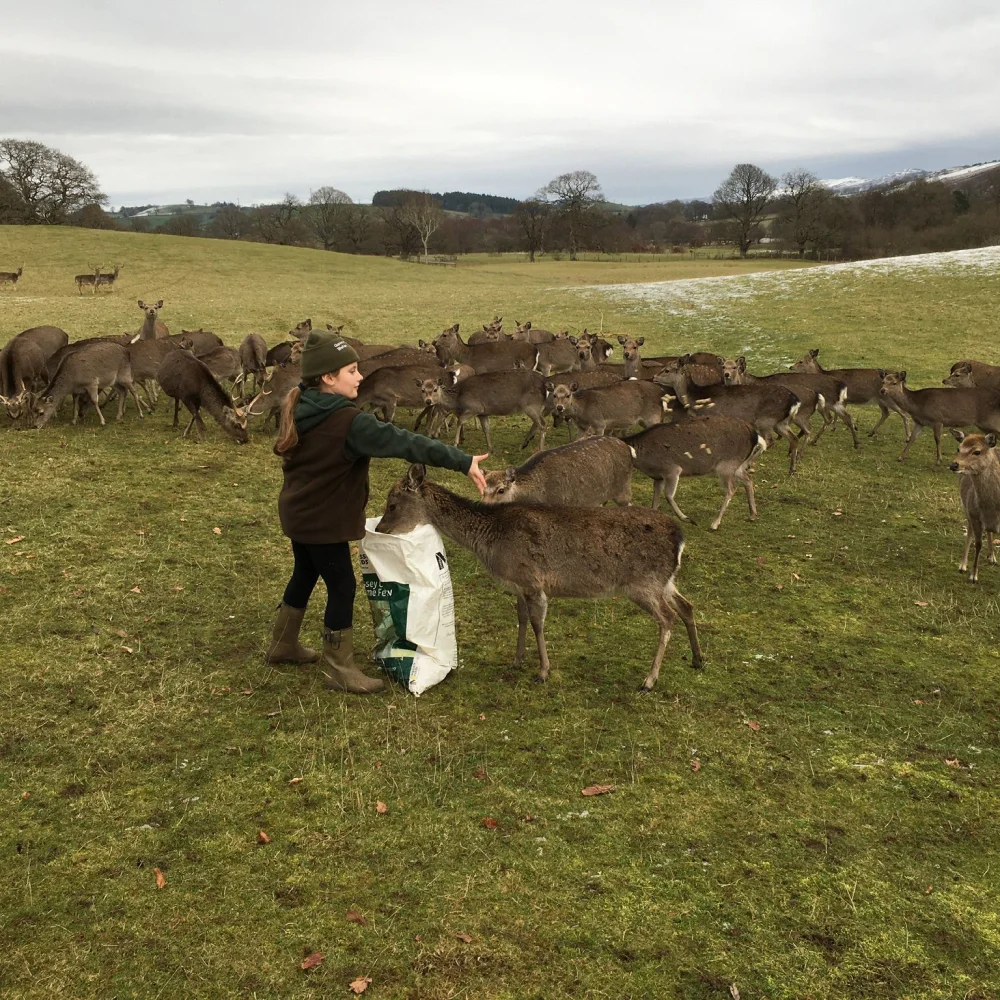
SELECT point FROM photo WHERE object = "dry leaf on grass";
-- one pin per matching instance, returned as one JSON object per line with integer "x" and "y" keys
{"x": 312, "y": 961}
{"x": 755, "y": 726}
{"x": 178, "y": 588}
{"x": 15, "y": 539}
{"x": 25, "y": 795}
{"x": 356, "y": 918}
{"x": 217, "y": 531}
{"x": 462, "y": 936}
{"x": 953, "y": 762}
{"x": 597, "y": 789}
{"x": 928, "y": 890}
{"x": 795, "y": 576}
{"x": 293, "y": 781}
{"x": 247, "y": 692}
{"x": 160, "y": 880}
{"x": 480, "y": 772}
{"x": 482, "y": 716}
{"x": 380, "y": 807}
{"x": 734, "y": 991}
{"x": 918, "y": 701}
{"x": 922, "y": 604}
{"x": 696, "y": 765}
{"x": 360, "y": 985}
{"x": 489, "y": 822}
{"x": 263, "y": 838}
{"x": 135, "y": 590}
{"x": 128, "y": 649}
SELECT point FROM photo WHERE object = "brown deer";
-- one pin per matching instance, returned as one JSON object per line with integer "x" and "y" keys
{"x": 392, "y": 386}
{"x": 973, "y": 375}
{"x": 107, "y": 279}
{"x": 863, "y": 386}
{"x": 614, "y": 407}
{"x": 584, "y": 473}
{"x": 451, "y": 349}
{"x": 11, "y": 277}
{"x": 281, "y": 381}
{"x": 770, "y": 408}
{"x": 978, "y": 466}
{"x": 399, "y": 356}
{"x": 151, "y": 326}
{"x": 22, "y": 370}
{"x": 85, "y": 373}
{"x": 541, "y": 552}
{"x": 223, "y": 362}
{"x": 188, "y": 380}
{"x": 492, "y": 394}
{"x": 701, "y": 446}
{"x": 83, "y": 280}
{"x": 525, "y": 333}
{"x": 940, "y": 408}
{"x": 253, "y": 360}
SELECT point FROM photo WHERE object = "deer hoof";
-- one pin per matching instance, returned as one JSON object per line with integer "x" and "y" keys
{"x": 644, "y": 689}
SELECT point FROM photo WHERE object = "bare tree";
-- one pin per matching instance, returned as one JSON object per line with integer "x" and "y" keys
{"x": 281, "y": 223}
{"x": 802, "y": 208}
{"x": 357, "y": 225}
{"x": 230, "y": 223}
{"x": 744, "y": 197}
{"x": 424, "y": 213}
{"x": 532, "y": 219}
{"x": 328, "y": 210}
{"x": 42, "y": 185}
{"x": 575, "y": 196}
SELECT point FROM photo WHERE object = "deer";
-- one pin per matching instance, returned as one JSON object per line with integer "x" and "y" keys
{"x": 223, "y": 362}
{"x": 491, "y": 333}
{"x": 253, "y": 360}
{"x": 11, "y": 277}
{"x": 388, "y": 387}
{"x": 84, "y": 374}
{"x": 633, "y": 365}
{"x": 281, "y": 381}
{"x": 496, "y": 393}
{"x": 542, "y": 551}
{"x": 769, "y": 407}
{"x": 107, "y": 279}
{"x": 190, "y": 381}
{"x": 151, "y": 326}
{"x": 22, "y": 370}
{"x": 48, "y": 339}
{"x": 606, "y": 408}
{"x": 701, "y": 446}
{"x": 82, "y": 280}
{"x": 694, "y": 373}
{"x": 525, "y": 333}
{"x": 584, "y": 473}
{"x": 940, "y": 408}
{"x": 973, "y": 375}
{"x": 863, "y": 386}
{"x": 560, "y": 355}
{"x": 399, "y": 356}
{"x": 451, "y": 349}
{"x": 978, "y": 466}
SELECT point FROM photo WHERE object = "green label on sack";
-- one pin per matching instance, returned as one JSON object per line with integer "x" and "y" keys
{"x": 389, "y": 603}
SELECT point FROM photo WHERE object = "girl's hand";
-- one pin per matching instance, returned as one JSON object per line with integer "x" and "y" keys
{"x": 476, "y": 474}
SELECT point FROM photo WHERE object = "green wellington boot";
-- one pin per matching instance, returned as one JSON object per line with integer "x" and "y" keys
{"x": 338, "y": 667}
{"x": 285, "y": 646}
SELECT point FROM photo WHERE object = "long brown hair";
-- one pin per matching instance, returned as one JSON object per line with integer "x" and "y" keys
{"x": 288, "y": 436}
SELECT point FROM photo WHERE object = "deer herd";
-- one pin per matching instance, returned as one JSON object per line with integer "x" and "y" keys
{"x": 669, "y": 417}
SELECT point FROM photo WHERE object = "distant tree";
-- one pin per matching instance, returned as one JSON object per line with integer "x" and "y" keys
{"x": 180, "y": 225}
{"x": 422, "y": 212}
{"x": 802, "y": 208}
{"x": 743, "y": 199}
{"x": 397, "y": 234}
{"x": 189, "y": 202}
{"x": 328, "y": 210}
{"x": 532, "y": 220}
{"x": 281, "y": 223}
{"x": 92, "y": 217}
{"x": 229, "y": 223}
{"x": 42, "y": 185}
{"x": 575, "y": 196}
{"x": 358, "y": 224}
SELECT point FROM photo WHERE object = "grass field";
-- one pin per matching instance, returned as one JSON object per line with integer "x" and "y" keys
{"x": 812, "y": 816}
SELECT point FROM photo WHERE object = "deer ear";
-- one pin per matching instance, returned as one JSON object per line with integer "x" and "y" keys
{"x": 509, "y": 474}
{"x": 454, "y": 329}
{"x": 958, "y": 435}
{"x": 814, "y": 353}
{"x": 549, "y": 386}
{"x": 574, "y": 387}
{"x": 621, "y": 339}
{"x": 419, "y": 381}
{"x": 159, "y": 305}
{"x": 640, "y": 341}
{"x": 527, "y": 325}
{"x": 574, "y": 341}
{"x": 741, "y": 363}
{"x": 991, "y": 439}
{"x": 142, "y": 305}
{"x": 415, "y": 476}
{"x": 881, "y": 372}
{"x": 721, "y": 360}
{"x": 902, "y": 375}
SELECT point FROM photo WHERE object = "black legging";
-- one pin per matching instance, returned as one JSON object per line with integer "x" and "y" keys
{"x": 333, "y": 563}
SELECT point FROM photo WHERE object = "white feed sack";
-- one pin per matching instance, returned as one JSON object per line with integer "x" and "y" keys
{"x": 408, "y": 586}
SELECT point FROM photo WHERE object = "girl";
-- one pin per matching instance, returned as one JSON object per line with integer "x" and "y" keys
{"x": 326, "y": 443}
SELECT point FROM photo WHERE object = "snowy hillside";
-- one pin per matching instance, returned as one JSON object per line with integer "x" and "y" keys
{"x": 854, "y": 185}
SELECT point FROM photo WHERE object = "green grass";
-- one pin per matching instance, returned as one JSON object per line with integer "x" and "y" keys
{"x": 830, "y": 853}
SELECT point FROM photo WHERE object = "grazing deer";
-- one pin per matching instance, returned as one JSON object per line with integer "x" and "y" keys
{"x": 22, "y": 369}
{"x": 700, "y": 446}
{"x": 11, "y": 277}
{"x": 82, "y": 280}
{"x": 978, "y": 466}
{"x": 84, "y": 373}
{"x": 584, "y": 473}
{"x": 281, "y": 381}
{"x": 614, "y": 407}
{"x": 190, "y": 381}
{"x": 253, "y": 360}
{"x": 940, "y": 408}
{"x": 151, "y": 326}
{"x": 107, "y": 278}
{"x": 541, "y": 552}
{"x": 864, "y": 385}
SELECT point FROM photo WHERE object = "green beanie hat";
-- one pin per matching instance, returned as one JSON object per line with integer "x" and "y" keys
{"x": 325, "y": 352}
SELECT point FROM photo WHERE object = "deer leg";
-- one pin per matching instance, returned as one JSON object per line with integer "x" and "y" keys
{"x": 202, "y": 431}
{"x": 827, "y": 420}
{"x": 389, "y": 410}
{"x": 659, "y": 606}
{"x": 992, "y": 553}
{"x": 670, "y": 481}
{"x": 522, "y": 630}
{"x": 729, "y": 485}
{"x": 974, "y": 575}
{"x": 783, "y": 430}
{"x": 881, "y": 420}
{"x": 92, "y": 393}
{"x": 194, "y": 416}
{"x": 803, "y": 421}
{"x": 484, "y": 422}
{"x": 537, "y": 605}
{"x": 842, "y": 412}
{"x": 963, "y": 566}
{"x": 685, "y": 609}
{"x": 177, "y": 409}
{"x": 914, "y": 433}
{"x": 937, "y": 444}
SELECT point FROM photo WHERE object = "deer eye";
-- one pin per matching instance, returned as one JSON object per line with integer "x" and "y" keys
{"x": 500, "y": 490}
{"x": 391, "y": 506}
{"x": 978, "y": 451}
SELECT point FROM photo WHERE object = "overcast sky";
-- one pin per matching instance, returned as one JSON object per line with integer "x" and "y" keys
{"x": 247, "y": 99}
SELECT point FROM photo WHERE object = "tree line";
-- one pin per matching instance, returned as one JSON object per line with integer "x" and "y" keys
{"x": 569, "y": 215}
